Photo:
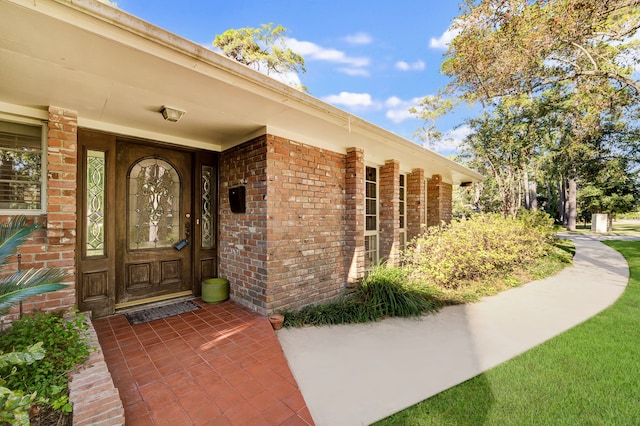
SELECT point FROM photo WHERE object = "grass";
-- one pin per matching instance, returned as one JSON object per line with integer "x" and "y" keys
{"x": 619, "y": 228}
{"x": 586, "y": 376}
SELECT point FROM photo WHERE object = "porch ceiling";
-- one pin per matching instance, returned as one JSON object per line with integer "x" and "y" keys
{"x": 117, "y": 72}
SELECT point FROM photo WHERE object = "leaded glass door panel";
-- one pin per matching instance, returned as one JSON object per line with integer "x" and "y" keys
{"x": 154, "y": 250}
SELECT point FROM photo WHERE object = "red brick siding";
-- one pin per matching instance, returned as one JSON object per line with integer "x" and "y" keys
{"x": 242, "y": 238}
{"x": 287, "y": 250}
{"x": 54, "y": 245}
{"x": 355, "y": 212}
{"x": 306, "y": 224}
{"x": 416, "y": 199}
{"x": 439, "y": 201}
{"x": 389, "y": 192}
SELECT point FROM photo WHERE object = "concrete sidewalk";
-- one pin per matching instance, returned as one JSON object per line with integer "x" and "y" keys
{"x": 358, "y": 374}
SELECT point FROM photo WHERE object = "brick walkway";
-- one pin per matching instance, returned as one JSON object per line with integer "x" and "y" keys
{"x": 219, "y": 365}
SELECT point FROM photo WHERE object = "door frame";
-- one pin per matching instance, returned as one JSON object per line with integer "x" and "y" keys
{"x": 96, "y": 275}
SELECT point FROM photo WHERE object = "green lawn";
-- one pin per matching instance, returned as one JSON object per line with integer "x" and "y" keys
{"x": 619, "y": 228}
{"x": 589, "y": 375}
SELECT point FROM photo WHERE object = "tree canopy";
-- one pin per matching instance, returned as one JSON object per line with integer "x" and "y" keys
{"x": 506, "y": 47}
{"x": 556, "y": 79}
{"x": 263, "y": 49}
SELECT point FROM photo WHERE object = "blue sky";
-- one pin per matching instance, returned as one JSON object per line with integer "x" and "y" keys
{"x": 373, "y": 59}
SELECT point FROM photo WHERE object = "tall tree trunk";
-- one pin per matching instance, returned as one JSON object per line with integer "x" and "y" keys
{"x": 572, "y": 204}
{"x": 527, "y": 195}
{"x": 561, "y": 201}
{"x": 534, "y": 195}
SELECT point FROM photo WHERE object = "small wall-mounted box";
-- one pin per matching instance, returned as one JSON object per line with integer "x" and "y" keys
{"x": 237, "y": 199}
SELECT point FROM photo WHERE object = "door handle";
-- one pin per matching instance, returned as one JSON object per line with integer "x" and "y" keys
{"x": 187, "y": 234}
{"x": 181, "y": 244}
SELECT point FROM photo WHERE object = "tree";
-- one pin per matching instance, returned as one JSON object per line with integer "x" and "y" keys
{"x": 505, "y": 144}
{"x": 430, "y": 109}
{"x": 613, "y": 187}
{"x": 263, "y": 49}
{"x": 581, "y": 50}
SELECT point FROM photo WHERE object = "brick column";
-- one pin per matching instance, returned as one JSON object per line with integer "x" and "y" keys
{"x": 416, "y": 199}
{"x": 389, "y": 192}
{"x": 62, "y": 158}
{"x": 354, "y": 215}
{"x": 439, "y": 201}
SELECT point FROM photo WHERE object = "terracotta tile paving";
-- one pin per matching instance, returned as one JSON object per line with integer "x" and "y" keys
{"x": 219, "y": 365}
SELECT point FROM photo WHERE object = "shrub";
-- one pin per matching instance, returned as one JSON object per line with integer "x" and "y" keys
{"x": 63, "y": 340}
{"x": 389, "y": 292}
{"x": 478, "y": 248}
{"x": 14, "y": 404}
{"x": 385, "y": 292}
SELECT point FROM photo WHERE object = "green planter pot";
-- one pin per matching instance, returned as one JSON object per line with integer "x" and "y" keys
{"x": 215, "y": 290}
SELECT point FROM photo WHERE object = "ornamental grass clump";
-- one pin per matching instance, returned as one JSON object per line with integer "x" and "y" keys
{"x": 390, "y": 292}
{"x": 385, "y": 292}
{"x": 478, "y": 248}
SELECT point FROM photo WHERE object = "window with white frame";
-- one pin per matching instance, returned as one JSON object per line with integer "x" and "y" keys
{"x": 371, "y": 217}
{"x": 402, "y": 213}
{"x": 21, "y": 167}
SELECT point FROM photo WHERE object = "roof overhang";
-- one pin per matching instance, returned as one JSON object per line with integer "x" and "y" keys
{"x": 117, "y": 72}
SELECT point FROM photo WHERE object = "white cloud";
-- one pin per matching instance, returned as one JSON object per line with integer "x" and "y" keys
{"x": 352, "y": 100}
{"x": 312, "y": 52}
{"x": 443, "y": 41}
{"x": 393, "y": 101}
{"x": 415, "y": 66}
{"x": 398, "y": 109}
{"x": 355, "y": 72}
{"x": 359, "y": 38}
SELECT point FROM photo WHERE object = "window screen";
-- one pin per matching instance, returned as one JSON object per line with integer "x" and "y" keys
{"x": 20, "y": 166}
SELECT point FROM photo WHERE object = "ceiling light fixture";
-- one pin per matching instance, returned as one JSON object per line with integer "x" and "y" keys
{"x": 171, "y": 114}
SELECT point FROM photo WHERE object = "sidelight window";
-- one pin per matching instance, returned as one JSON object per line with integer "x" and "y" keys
{"x": 371, "y": 217}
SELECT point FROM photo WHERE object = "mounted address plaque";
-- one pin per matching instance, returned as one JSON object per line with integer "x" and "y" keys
{"x": 237, "y": 199}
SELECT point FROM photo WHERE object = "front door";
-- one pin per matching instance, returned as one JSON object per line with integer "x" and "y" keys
{"x": 146, "y": 221}
{"x": 153, "y": 222}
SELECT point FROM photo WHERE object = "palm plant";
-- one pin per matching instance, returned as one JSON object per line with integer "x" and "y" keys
{"x": 17, "y": 286}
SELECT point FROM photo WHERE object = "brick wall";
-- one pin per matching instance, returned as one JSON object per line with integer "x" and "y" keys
{"x": 294, "y": 225}
{"x": 306, "y": 224}
{"x": 54, "y": 244}
{"x": 439, "y": 201}
{"x": 301, "y": 239}
{"x": 242, "y": 242}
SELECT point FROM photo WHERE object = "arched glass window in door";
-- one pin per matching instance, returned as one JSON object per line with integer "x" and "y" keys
{"x": 153, "y": 206}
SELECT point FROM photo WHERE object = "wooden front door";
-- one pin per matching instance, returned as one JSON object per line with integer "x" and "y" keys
{"x": 147, "y": 221}
{"x": 153, "y": 222}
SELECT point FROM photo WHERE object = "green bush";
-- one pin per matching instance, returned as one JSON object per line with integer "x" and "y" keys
{"x": 389, "y": 292}
{"x": 14, "y": 404}
{"x": 477, "y": 248}
{"x": 385, "y": 292}
{"x": 63, "y": 340}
